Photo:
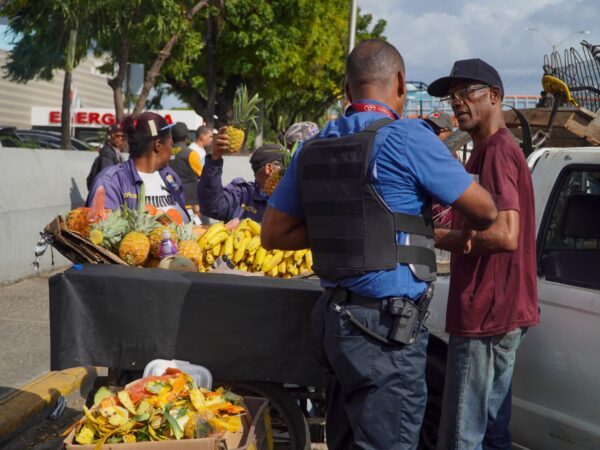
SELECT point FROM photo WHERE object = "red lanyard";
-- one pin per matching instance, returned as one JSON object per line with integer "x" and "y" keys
{"x": 370, "y": 107}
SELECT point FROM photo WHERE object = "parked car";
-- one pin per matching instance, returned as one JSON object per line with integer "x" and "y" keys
{"x": 556, "y": 387}
{"x": 49, "y": 139}
{"x": 8, "y": 137}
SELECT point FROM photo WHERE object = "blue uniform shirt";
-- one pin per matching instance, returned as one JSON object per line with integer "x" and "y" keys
{"x": 409, "y": 165}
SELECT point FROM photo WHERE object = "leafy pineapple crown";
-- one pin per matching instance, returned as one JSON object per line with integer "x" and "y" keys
{"x": 245, "y": 109}
{"x": 185, "y": 232}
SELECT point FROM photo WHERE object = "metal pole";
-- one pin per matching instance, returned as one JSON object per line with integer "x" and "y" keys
{"x": 352, "y": 26}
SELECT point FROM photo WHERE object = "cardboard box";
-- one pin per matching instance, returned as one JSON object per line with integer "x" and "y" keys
{"x": 254, "y": 436}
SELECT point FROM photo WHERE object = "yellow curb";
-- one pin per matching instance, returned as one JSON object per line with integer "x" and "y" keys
{"x": 26, "y": 402}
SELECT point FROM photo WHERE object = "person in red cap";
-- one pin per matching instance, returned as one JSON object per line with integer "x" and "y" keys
{"x": 492, "y": 298}
{"x": 109, "y": 154}
{"x": 441, "y": 124}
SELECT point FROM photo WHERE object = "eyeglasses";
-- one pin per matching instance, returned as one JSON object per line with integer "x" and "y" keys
{"x": 463, "y": 94}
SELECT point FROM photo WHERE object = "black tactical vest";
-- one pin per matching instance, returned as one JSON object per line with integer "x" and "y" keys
{"x": 181, "y": 165}
{"x": 351, "y": 230}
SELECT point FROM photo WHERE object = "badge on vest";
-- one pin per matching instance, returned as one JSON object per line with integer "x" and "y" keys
{"x": 129, "y": 195}
{"x": 249, "y": 209}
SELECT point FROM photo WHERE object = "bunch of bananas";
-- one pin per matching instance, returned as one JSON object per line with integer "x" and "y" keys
{"x": 243, "y": 250}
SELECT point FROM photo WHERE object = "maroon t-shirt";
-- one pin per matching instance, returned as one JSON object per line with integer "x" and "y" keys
{"x": 497, "y": 293}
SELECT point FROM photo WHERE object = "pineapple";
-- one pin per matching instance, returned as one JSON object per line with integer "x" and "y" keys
{"x": 244, "y": 114}
{"x": 77, "y": 220}
{"x": 135, "y": 246}
{"x": 109, "y": 232}
{"x": 188, "y": 244}
{"x": 277, "y": 174}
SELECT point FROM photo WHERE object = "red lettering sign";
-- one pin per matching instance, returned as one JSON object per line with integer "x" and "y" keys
{"x": 108, "y": 119}
{"x": 81, "y": 117}
{"x": 94, "y": 118}
{"x": 169, "y": 119}
{"x": 54, "y": 117}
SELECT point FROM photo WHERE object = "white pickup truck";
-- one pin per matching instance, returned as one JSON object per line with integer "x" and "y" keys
{"x": 556, "y": 383}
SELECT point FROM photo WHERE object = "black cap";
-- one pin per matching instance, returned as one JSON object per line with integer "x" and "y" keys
{"x": 467, "y": 70}
{"x": 264, "y": 154}
{"x": 180, "y": 132}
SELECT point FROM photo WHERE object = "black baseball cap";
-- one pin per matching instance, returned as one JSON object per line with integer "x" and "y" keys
{"x": 467, "y": 70}
{"x": 264, "y": 154}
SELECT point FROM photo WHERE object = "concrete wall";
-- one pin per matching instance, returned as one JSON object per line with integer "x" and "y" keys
{"x": 38, "y": 185}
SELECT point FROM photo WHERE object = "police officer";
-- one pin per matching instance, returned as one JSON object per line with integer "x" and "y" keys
{"x": 359, "y": 196}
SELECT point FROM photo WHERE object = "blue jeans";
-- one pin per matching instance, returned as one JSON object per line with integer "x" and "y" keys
{"x": 375, "y": 393}
{"x": 477, "y": 392}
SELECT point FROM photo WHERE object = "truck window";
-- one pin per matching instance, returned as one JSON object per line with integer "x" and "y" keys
{"x": 571, "y": 233}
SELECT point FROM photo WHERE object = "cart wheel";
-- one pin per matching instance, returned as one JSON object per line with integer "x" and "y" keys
{"x": 290, "y": 429}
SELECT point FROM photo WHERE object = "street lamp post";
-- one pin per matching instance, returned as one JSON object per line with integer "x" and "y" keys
{"x": 352, "y": 26}
{"x": 556, "y": 46}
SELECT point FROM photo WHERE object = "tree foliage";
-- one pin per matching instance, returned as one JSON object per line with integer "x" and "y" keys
{"x": 42, "y": 30}
{"x": 291, "y": 51}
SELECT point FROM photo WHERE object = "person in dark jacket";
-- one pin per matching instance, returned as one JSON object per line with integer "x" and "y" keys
{"x": 109, "y": 154}
{"x": 240, "y": 198}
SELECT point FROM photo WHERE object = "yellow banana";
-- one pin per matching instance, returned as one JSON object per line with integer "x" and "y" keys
{"x": 303, "y": 268}
{"x": 214, "y": 229}
{"x": 288, "y": 253}
{"x": 228, "y": 247}
{"x": 259, "y": 258}
{"x": 217, "y": 250}
{"x": 282, "y": 267}
{"x": 210, "y": 258}
{"x": 243, "y": 267}
{"x": 309, "y": 259}
{"x": 254, "y": 227}
{"x": 250, "y": 259}
{"x": 241, "y": 250}
{"x": 217, "y": 238}
{"x": 299, "y": 254}
{"x": 238, "y": 236}
{"x": 254, "y": 244}
{"x": 274, "y": 272}
{"x": 274, "y": 261}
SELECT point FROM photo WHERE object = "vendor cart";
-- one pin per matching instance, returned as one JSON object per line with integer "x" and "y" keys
{"x": 250, "y": 332}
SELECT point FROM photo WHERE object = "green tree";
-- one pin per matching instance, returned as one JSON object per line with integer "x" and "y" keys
{"x": 291, "y": 51}
{"x": 50, "y": 37}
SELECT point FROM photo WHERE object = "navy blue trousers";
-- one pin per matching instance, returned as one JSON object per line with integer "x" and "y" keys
{"x": 375, "y": 393}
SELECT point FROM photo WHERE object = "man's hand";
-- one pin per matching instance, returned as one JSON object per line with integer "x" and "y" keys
{"x": 468, "y": 234}
{"x": 221, "y": 144}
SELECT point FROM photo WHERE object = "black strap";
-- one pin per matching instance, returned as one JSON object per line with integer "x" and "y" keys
{"x": 421, "y": 225}
{"x": 379, "y": 123}
{"x": 411, "y": 254}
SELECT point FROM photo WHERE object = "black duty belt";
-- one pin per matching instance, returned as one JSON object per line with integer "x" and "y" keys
{"x": 367, "y": 302}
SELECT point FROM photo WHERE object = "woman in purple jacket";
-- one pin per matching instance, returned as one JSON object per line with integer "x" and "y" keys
{"x": 150, "y": 142}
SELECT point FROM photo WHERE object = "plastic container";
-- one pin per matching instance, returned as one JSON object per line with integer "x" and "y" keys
{"x": 168, "y": 247}
{"x": 200, "y": 374}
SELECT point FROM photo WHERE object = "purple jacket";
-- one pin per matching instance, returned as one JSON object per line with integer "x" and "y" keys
{"x": 122, "y": 185}
{"x": 239, "y": 199}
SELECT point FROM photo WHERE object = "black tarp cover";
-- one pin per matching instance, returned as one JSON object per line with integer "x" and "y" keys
{"x": 240, "y": 328}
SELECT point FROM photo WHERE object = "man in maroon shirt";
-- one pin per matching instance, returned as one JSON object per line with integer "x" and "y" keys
{"x": 493, "y": 293}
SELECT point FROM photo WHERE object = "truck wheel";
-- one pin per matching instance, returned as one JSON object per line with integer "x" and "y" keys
{"x": 290, "y": 429}
{"x": 434, "y": 375}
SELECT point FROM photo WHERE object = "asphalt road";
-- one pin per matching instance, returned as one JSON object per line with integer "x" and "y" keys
{"x": 24, "y": 331}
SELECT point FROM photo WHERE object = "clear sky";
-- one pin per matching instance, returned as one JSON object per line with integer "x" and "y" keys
{"x": 432, "y": 34}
